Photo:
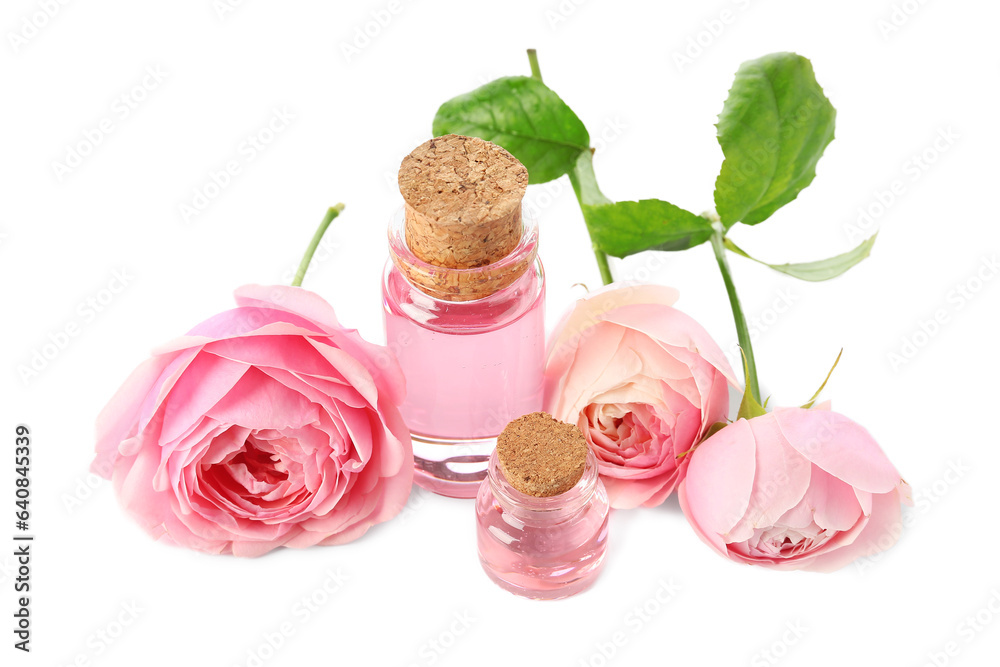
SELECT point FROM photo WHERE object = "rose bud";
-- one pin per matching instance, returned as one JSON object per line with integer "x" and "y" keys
{"x": 643, "y": 381}
{"x": 794, "y": 489}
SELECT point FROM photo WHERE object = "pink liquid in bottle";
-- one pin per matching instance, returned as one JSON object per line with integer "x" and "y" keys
{"x": 470, "y": 366}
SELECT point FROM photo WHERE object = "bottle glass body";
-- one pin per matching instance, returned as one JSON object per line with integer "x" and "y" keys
{"x": 470, "y": 366}
{"x": 542, "y": 548}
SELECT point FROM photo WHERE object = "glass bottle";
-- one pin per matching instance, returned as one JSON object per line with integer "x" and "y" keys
{"x": 471, "y": 340}
{"x": 544, "y": 548}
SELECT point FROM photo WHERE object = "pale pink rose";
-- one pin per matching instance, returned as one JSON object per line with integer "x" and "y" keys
{"x": 643, "y": 381}
{"x": 794, "y": 489}
{"x": 267, "y": 425}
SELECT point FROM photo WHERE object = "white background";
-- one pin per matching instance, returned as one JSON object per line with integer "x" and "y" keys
{"x": 354, "y": 119}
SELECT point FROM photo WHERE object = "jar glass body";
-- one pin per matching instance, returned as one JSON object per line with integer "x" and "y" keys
{"x": 470, "y": 366}
{"x": 542, "y": 548}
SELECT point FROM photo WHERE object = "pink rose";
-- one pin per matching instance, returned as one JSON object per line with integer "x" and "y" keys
{"x": 267, "y": 425}
{"x": 794, "y": 489}
{"x": 643, "y": 381}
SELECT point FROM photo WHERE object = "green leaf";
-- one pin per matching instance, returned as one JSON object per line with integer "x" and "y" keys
{"x": 808, "y": 404}
{"x": 773, "y": 129}
{"x": 627, "y": 227}
{"x": 820, "y": 270}
{"x": 524, "y": 116}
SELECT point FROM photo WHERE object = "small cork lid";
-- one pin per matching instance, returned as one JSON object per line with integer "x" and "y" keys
{"x": 540, "y": 456}
{"x": 462, "y": 202}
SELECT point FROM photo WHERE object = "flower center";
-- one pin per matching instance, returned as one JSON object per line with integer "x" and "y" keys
{"x": 259, "y": 479}
{"x": 263, "y": 465}
{"x": 785, "y": 541}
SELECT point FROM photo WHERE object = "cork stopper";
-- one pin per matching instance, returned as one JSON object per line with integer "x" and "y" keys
{"x": 462, "y": 205}
{"x": 540, "y": 456}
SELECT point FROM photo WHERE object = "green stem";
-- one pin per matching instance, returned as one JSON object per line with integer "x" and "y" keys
{"x": 742, "y": 332}
{"x": 587, "y": 193}
{"x": 331, "y": 213}
{"x": 584, "y": 183}
{"x": 536, "y": 72}
{"x": 602, "y": 265}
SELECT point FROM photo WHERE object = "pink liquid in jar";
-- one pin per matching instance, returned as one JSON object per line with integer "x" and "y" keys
{"x": 542, "y": 548}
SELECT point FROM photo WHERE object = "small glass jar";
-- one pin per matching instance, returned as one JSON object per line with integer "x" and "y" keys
{"x": 543, "y": 548}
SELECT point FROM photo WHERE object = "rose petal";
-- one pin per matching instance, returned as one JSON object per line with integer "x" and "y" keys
{"x": 257, "y": 401}
{"x": 591, "y": 309}
{"x": 291, "y": 299}
{"x": 724, "y": 461}
{"x": 881, "y": 531}
{"x": 839, "y": 446}
{"x": 675, "y": 328}
{"x": 205, "y": 382}
{"x": 781, "y": 478}
{"x": 566, "y": 395}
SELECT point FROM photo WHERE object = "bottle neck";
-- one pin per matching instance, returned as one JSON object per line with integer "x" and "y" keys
{"x": 451, "y": 284}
